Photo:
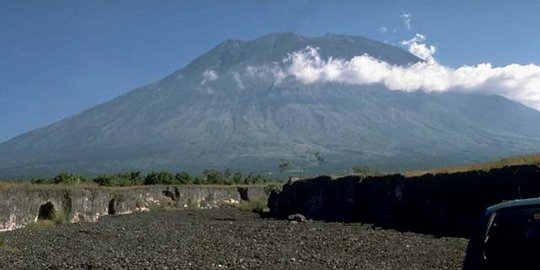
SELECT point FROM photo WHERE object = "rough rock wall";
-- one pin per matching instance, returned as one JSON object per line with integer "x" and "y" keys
{"x": 442, "y": 204}
{"x": 21, "y": 204}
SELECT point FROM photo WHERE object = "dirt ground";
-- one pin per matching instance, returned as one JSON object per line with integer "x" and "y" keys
{"x": 223, "y": 239}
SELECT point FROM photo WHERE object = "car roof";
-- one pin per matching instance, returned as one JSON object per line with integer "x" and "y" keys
{"x": 511, "y": 204}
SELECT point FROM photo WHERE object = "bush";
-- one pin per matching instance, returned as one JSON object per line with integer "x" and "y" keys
{"x": 125, "y": 179}
{"x": 63, "y": 178}
{"x": 159, "y": 178}
{"x": 184, "y": 178}
{"x": 192, "y": 204}
{"x": 237, "y": 178}
{"x": 258, "y": 205}
{"x": 209, "y": 177}
{"x": 55, "y": 219}
{"x": 214, "y": 177}
{"x": 67, "y": 178}
{"x": 59, "y": 218}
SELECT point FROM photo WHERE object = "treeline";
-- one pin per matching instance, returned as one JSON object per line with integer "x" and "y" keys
{"x": 209, "y": 177}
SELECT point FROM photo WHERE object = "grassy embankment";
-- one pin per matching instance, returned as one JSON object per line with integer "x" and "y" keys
{"x": 485, "y": 166}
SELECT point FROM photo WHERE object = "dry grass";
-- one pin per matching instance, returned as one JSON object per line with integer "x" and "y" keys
{"x": 7, "y": 185}
{"x": 516, "y": 160}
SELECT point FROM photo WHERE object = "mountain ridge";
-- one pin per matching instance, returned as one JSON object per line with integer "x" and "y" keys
{"x": 213, "y": 113}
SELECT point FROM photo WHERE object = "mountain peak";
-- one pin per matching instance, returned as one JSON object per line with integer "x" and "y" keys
{"x": 277, "y": 46}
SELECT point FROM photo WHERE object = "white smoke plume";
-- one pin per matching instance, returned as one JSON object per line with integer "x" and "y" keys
{"x": 516, "y": 82}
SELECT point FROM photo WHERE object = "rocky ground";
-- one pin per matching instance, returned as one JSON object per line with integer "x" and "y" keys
{"x": 219, "y": 239}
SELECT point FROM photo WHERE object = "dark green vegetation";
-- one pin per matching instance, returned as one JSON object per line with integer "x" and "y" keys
{"x": 259, "y": 205}
{"x": 244, "y": 119}
{"x": 209, "y": 177}
{"x": 224, "y": 239}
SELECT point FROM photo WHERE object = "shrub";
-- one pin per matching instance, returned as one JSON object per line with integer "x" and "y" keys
{"x": 237, "y": 178}
{"x": 124, "y": 179}
{"x": 192, "y": 204}
{"x": 214, "y": 177}
{"x": 59, "y": 218}
{"x": 63, "y": 178}
{"x": 47, "y": 222}
{"x": 258, "y": 205}
{"x": 184, "y": 178}
{"x": 159, "y": 178}
{"x": 209, "y": 177}
{"x": 67, "y": 178}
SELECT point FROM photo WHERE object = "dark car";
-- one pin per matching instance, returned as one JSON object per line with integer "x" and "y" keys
{"x": 508, "y": 237}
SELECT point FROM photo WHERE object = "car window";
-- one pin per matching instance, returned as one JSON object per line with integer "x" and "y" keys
{"x": 513, "y": 238}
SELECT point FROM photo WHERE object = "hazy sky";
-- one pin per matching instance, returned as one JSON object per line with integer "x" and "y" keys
{"x": 60, "y": 57}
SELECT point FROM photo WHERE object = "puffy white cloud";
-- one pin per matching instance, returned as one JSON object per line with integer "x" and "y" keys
{"x": 208, "y": 76}
{"x": 383, "y": 29}
{"x": 520, "y": 83}
{"x": 418, "y": 47}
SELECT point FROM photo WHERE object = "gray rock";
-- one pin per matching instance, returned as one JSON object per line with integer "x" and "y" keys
{"x": 297, "y": 218}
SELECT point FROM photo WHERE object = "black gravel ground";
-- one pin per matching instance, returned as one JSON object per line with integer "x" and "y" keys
{"x": 219, "y": 239}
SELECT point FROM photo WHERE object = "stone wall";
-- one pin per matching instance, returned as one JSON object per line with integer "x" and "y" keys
{"x": 441, "y": 204}
{"x": 20, "y": 204}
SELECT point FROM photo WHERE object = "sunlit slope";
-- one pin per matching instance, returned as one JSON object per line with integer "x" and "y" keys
{"x": 227, "y": 110}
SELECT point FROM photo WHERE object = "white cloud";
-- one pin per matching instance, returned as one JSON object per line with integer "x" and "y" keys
{"x": 418, "y": 47}
{"x": 273, "y": 72}
{"x": 406, "y": 17}
{"x": 520, "y": 83}
{"x": 208, "y": 76}
{"x": 383, "y": 29}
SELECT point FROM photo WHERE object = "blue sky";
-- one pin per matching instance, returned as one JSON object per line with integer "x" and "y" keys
{"x": 58, "y": 58}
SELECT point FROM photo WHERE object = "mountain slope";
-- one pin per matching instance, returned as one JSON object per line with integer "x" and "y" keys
{"x": 230, "y": 108}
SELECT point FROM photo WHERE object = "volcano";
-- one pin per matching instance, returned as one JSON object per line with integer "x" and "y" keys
{"x": 233, "y": 107}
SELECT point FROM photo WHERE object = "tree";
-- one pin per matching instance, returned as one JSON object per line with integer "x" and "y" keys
{"x": 159, "y": 178}
{"x": 184, "y": 178}
{"x": 237, "y": 178}
{"x": 213, "y": 177}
